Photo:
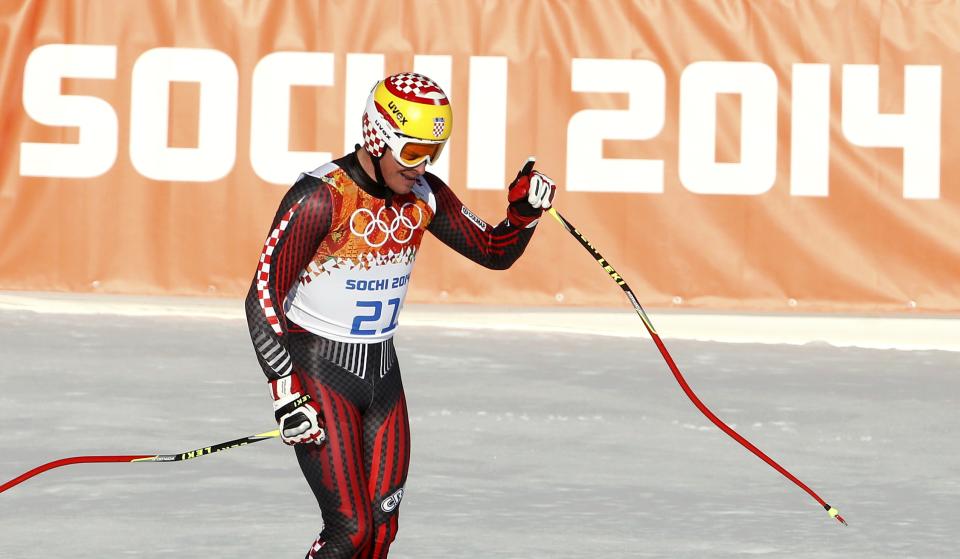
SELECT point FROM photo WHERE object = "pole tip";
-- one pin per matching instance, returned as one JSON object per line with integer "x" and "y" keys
{"x": 834, "y": 513}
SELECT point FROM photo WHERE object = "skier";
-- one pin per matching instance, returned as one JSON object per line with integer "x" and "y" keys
{"x": 328, "y": 290}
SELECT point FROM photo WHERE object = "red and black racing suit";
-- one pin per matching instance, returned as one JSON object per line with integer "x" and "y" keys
{"x": 324, "y": 305}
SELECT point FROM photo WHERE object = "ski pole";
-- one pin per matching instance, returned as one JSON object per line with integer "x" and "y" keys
{"x": 189, "y": 455}
{"x": 676, "y": 371}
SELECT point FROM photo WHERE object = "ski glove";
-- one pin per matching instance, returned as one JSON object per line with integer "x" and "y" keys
{"x": 529, "y": 194}
{"x": 298, "y": 415}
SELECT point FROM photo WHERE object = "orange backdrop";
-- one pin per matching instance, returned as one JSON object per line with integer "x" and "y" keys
{"x": 722, "y": 155}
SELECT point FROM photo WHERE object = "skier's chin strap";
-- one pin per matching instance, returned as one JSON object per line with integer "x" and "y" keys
{"x": 379, "y": 176}
{"x": 381, "y": 182}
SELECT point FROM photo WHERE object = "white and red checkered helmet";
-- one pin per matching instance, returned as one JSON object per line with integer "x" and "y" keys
{"x": 407, "y": 111}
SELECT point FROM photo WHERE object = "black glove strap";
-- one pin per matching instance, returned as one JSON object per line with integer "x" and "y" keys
{"x": 289, "y": 407}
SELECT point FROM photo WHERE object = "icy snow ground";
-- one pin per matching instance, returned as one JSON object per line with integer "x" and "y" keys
{"x": 525, "y": 445}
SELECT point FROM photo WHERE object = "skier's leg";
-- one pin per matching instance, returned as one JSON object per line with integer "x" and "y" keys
{"x": 334, "y": 472}
{"x": 335, "y": 469}
{"x": 387, "y": 453}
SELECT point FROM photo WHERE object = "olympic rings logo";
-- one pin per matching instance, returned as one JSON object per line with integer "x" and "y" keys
{"x": 397, "y": 226}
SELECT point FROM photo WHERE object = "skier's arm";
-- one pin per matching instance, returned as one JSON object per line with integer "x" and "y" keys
{"x": 302, "y": 220}
{"x": 493, "y": 247}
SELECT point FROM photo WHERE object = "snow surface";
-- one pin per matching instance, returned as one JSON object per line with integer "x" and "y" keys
{"x": 526, "y": 444}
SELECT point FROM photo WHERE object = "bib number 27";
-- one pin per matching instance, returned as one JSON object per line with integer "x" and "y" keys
{"x": 374, "y": 310}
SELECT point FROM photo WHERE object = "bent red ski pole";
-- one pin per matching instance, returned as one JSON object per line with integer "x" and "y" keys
{"x": 676, "y": 371}
{"x": 189, "y": 455}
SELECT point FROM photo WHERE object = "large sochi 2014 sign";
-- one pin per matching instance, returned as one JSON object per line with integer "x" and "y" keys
{"x": 729, "y": 155}
{"x": 916, "y": 130}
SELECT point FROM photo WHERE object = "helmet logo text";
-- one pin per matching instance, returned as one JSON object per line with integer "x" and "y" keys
{"x": 396, "y": 113}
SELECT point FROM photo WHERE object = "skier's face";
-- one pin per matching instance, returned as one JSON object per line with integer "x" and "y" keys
{"x": 398, "y": 178}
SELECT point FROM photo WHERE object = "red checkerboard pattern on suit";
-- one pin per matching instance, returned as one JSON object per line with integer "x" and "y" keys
{"x": 315, "y": 548}
{"x": 263, "y": 269}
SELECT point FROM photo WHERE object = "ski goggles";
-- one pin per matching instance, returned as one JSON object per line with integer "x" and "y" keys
{"x": 411, "y": 152}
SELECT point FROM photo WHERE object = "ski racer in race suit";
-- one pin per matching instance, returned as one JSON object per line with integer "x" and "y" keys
{"x": 329, "y": 287}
